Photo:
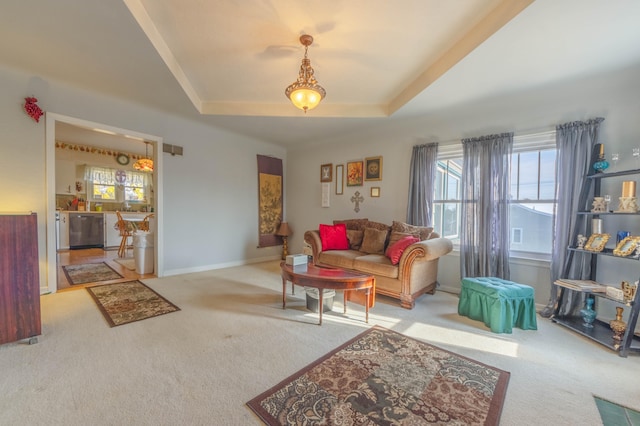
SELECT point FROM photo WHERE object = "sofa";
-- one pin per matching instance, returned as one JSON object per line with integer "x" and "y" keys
{"x": 402, "y": 257}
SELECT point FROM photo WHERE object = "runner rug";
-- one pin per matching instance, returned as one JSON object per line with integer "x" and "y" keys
{"x": 383, "y": 377}
{"x": 122, "y": 303}
{"x": 89, "y": 273}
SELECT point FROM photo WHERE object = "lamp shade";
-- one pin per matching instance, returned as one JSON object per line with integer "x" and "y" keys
{"x": 284, "y": 230}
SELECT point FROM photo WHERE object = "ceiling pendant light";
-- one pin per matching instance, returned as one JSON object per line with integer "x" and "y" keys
{"x": 144, "y": 164}
{"x": 305, "y": 93}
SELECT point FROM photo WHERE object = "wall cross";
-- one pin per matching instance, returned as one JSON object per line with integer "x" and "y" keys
{"x": 357, "y": 198}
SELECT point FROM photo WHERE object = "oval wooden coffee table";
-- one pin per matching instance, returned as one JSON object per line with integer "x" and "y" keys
{"x": 353, "y": 284}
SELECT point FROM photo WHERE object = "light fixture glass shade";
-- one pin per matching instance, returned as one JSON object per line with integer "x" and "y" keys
{"x": 305, "y": 99}
{"x": 305, "y": 93}
{"x": 144, "y": 165}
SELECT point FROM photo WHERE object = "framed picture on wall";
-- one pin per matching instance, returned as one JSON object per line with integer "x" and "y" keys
{"x": 375, "y": 191}
{"x": 339, "y": 179}
{"x": 326, "y": 172}
{"x": 373, "y": 168}
{"x": 354, "y": 173}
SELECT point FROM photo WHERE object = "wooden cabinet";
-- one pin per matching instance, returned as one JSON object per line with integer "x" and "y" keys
{"x": 19, "y": 278}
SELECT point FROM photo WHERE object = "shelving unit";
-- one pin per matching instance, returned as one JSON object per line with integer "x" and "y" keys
{"x": 601, "y": 332}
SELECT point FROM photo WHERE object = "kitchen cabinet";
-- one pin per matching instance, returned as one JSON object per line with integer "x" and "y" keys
{"x": 19, "y": 278}
{"x": 111, "y": 234}
{"x": 65, "y": 177}
{"x": 64, "y": 231}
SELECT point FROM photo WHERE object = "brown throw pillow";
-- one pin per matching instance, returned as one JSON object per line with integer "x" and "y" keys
{"x": 378, "y": 225}
{"x": 373, "y": 241}
{"x": 397, "y": 236}
{"x": 423, "y": 232}
{"x": 355, "y": 238}
{"x": 355, "y": 224}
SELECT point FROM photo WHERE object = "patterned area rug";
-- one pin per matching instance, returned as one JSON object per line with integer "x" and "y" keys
{"x": 89, "y": 273}
{"x": 122, "y": 303}
{"x": 383, "y": 377}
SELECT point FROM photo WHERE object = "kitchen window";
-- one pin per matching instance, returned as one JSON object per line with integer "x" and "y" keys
{"x": 106, "y": 184}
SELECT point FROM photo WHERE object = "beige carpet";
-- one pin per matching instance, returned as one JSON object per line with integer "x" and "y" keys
{"x": 232, "y": 340}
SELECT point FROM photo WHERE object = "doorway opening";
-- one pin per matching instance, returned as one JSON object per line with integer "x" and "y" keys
{"x": 74, "y": 146}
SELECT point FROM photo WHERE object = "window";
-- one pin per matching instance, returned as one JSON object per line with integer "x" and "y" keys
{"x": 102, "y": 185}
{"x": 446, "y": 204}
{"x": 532, "y": 198}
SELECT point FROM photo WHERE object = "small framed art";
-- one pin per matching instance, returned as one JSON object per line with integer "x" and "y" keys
{"x": 626, "y": 246}
{"x": 354, "y": 173}
{"x": 596, "y": 242}
{"x": 375, "y": 191}
{"x": 373, "y": 168}
{"x": 326, "y": 172}
{"x": 339, "y": 179}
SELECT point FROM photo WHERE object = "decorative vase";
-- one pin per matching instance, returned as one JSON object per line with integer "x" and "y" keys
{"x": 601, "y": 165}
{"x": 618, "y": 326}
{"x": 588, "y": 314}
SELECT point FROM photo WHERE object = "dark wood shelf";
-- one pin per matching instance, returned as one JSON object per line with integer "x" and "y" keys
{"x": 601, "y": 332}
{"x": 613, "y": 174}
{"x": 604, "y": 252}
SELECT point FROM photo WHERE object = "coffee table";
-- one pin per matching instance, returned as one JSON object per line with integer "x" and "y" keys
{"x": 352, "y": 283}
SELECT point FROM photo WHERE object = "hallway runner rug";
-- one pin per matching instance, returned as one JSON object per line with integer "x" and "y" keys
{"x": 384, "y": 377}
{"x": 122, "y": 303}
{"x": 89, "y": 273}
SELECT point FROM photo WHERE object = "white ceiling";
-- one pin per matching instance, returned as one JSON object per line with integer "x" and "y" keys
{"x": 227, "y": 62}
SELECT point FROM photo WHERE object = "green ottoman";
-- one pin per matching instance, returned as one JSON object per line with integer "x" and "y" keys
{"x": 499, "y": 303}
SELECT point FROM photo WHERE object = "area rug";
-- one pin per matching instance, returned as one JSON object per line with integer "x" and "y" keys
{"x": 89, "y": 273}
{"x": 122, "y": 303}
{"x": 384, "y": 377}
{"x": 127, "y": 262}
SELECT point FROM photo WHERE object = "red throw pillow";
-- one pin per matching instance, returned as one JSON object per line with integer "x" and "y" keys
{"x": 395, "y": 251}
{"x": 334, "y": 237}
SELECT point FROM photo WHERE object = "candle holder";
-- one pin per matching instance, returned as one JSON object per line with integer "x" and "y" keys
{"x": 627, "y": 205}
{"x": 599, "y": 205}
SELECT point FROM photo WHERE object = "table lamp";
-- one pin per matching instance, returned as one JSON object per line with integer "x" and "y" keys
{"x": 284, "y": 231}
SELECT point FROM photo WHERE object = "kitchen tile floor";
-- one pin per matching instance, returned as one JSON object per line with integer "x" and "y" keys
{"x": 94, "y": 255}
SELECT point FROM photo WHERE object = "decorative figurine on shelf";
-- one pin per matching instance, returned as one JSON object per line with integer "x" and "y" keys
{"x": 628, "y": 203}
{"x": 618, "y": 326}
{"x": 599, "y": 205}
{"x": 581, "y": 241}
{"x": 629, "y": 290}
{"x": 588, "y": 314}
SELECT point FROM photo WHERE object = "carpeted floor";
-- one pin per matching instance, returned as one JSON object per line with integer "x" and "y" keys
{"x": 232, "y": 340}
{"x": 384, "y": 377}
{"x": 122, "y": 303}
{"x": 89, "y": 273}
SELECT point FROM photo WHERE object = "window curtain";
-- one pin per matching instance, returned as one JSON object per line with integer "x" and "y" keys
{"x": 100, "y": 175}
{"x": 575, "y": 142}
{"x": 484, "y": 239}
{"x": 422, "y": 175}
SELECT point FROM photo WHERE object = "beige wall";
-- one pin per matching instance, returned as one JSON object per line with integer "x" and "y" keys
{"x": 614, "y": 96}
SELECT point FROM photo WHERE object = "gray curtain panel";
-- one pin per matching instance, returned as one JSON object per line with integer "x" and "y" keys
{"x": 575, "y": 142}
{"x": 422, "y": 176}
{"x": 484, "y": 239}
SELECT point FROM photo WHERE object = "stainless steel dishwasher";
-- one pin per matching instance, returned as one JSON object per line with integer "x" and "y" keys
{"x": 86, "y": 230}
